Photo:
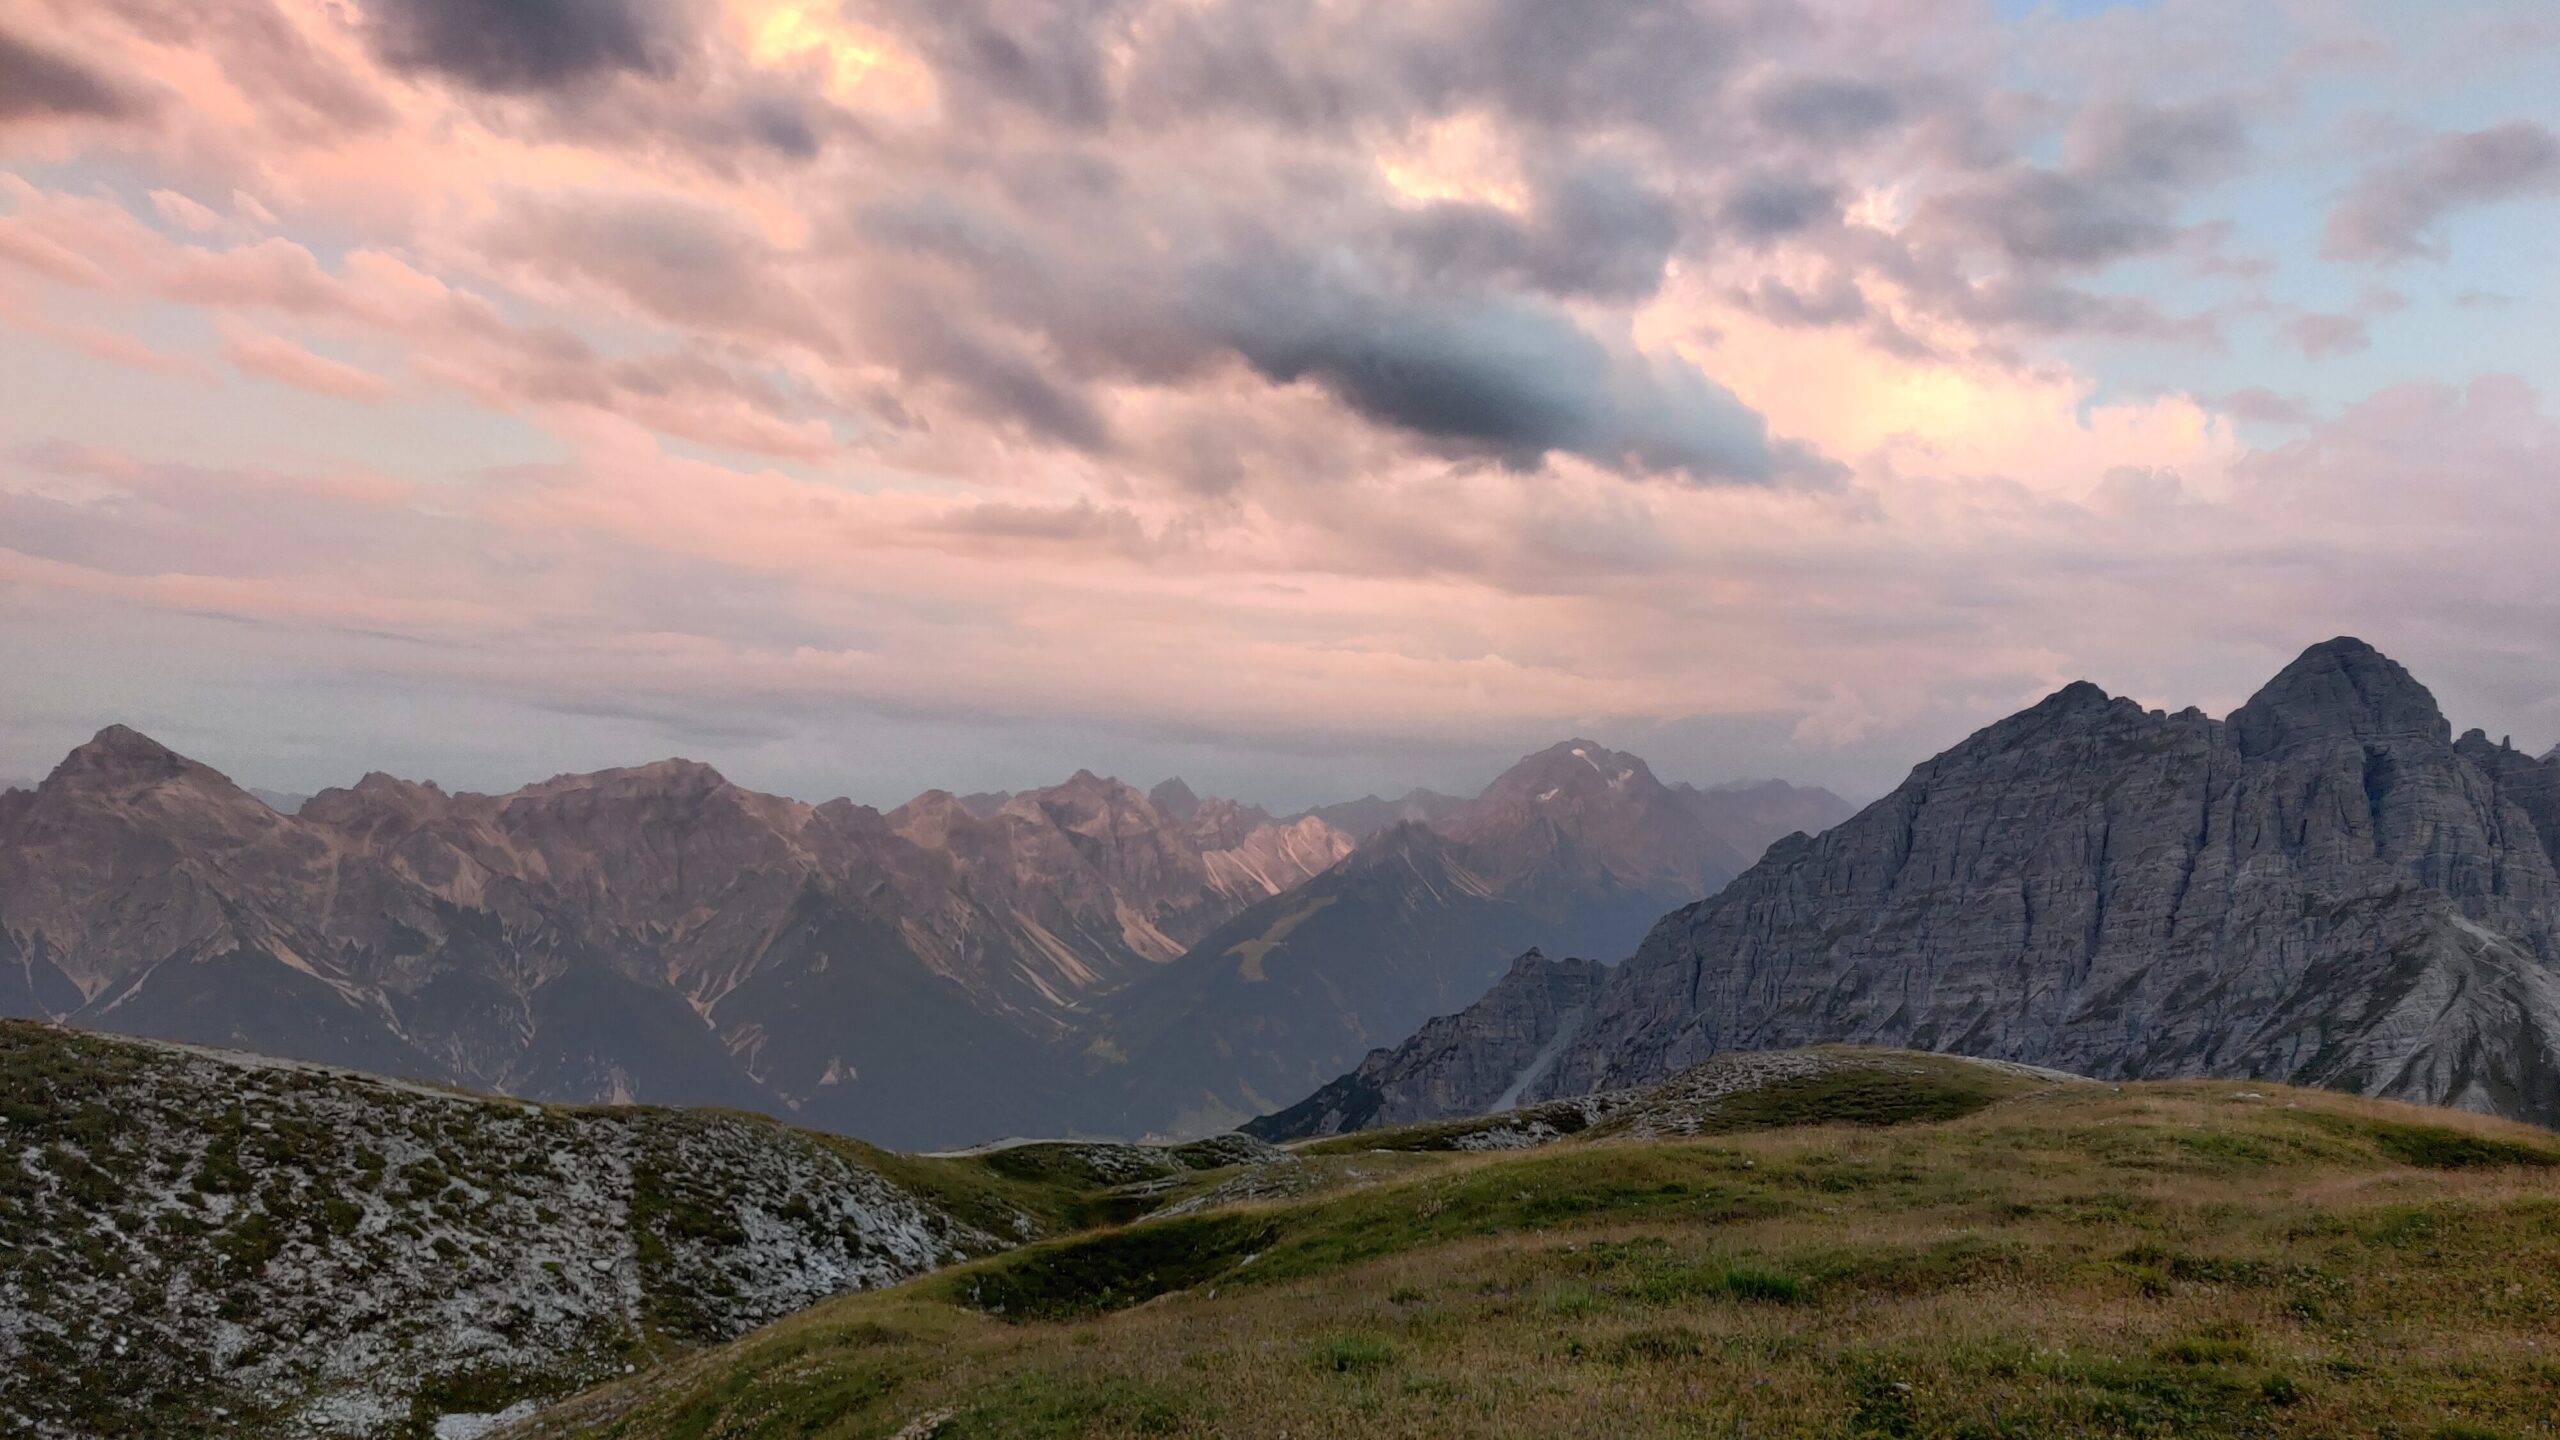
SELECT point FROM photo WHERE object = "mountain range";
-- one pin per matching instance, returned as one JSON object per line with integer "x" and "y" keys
{"x": 2327, "y": 887}
{"x": 1083, "y": 958}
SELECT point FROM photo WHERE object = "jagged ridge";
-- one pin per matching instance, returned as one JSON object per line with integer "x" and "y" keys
{"x": 2326, "y": 888}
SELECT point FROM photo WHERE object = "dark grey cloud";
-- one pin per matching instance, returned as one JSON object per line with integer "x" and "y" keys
{"x": 1826, "y": 109}
{"x": 1047, "y": 57}
{"x": 1004, "y": 376}
{"x": 1989, "y": 246}
{"x": 1764, "y": 205}
{"x": 1594, "y": 231}
{"x": 2161, "y": 144}
{"x": 2046, "y": 307}
{"x": 527, "y": 46}
{"x": 1326, "y": 65}
{"x": 36, "y": 82}
{"x": 2389, "y": 211}
{"x": 1436, "y": 322}
{"x": 1494, "y": 375}
{"x": 722, "y": 115}
{"x": 1833, "y": 300}
{"x": 1633, "y": 61}
{"x": 2043, "y": 217}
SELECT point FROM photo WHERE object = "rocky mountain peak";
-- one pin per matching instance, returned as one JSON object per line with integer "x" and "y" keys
{"x": 1176, "y": 799}
{"x": 1403, "y": 843}
{"x": 675, "y": 774}
{"x": 2078, "y": 695}
{"x": 2551, "y": 756}
{"x": 2337, "y": 690}
{"x": 1578, "y": 769}
{"x": 674, "y": 777}
{"x": 123, "y": 753}
{"x": 374, "y": 800}
{"x": 1580, "y": 806}
{"x": 123, "y": 768}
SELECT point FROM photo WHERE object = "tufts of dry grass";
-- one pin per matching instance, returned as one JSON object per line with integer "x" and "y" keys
{"x": 2151, "y": 1260}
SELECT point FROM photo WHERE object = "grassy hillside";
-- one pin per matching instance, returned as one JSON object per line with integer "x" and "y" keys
{"x": 1975, "y": 1255}
{"x": 194, "y": 1243}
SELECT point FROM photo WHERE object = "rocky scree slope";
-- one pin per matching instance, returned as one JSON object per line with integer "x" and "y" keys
{"x": 2325, "y": 888}
{"x": 195, "y": 1243}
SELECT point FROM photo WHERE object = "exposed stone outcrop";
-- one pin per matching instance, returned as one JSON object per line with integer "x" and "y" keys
{"x": 207, "y": 1244}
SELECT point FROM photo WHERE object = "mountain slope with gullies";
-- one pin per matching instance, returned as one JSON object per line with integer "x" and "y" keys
{"x": 2325, "y": 888}
{"x": 1577, "y": 849}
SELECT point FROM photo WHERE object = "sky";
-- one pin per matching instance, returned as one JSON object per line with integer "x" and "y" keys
{"x": 1303, "y": 396}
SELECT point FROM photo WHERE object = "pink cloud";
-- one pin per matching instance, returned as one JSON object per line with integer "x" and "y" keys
{"x": 281, "y": 360}
{"x": 1224, "y": 378}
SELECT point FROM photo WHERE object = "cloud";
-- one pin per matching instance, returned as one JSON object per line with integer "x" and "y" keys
{"x": 2040, "y": 217}
{"x": 1825, "y": 109}
{"x": 2267, "y": 407}
{"x": 1501, "y": 378}
{"x": 679, "y": 261}
{"x": 1763, "y": 205}
{"x": 295, "y": 82}
{"x": 528, "y": 46}
{"x": 2321, "y": 336}
{"x": 1835, "y": 299}
{"x": 37, "y": 83}
{"x": 1595, "y": 230}
{"x": 283, "y": 361}
{"x": 2390, "y": 211}
{"x": 2155, "y": 144}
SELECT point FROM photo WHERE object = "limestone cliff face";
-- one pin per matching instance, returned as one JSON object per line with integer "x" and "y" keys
{"x": 2324, "y": 888}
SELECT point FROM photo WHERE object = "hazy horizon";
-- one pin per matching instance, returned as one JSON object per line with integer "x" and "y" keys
{"x": 1458, "y": 781}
